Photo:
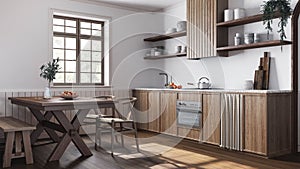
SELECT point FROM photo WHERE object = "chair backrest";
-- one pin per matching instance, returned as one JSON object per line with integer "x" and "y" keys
{"x": 106, "y": 111}
{"x": 105, "y": 96}
{"x": 123, "y": 107}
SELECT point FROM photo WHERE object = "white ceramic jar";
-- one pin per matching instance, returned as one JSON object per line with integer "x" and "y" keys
{"x": 239, "y": 13}
{"x": 181, "y": 26}
{"x": 228, "y": 15}
{"x": 248, "y": 85}
{"x": 238, "y": 39}
{"x": 249, "y": 38}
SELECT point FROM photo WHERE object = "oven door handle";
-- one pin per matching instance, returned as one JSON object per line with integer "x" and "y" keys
{"x": 188, "y": 110}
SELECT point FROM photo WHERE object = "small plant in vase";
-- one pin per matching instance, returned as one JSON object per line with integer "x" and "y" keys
{"x": 48, "y": 72}
{"x": 272, "y": 7}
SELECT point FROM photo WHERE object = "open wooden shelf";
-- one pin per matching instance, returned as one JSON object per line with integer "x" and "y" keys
{"x": 254, "y": 45}
{"x": 242, "y": 21}
{"x": 165, "y": 36}
{"x": 165, "y": 56}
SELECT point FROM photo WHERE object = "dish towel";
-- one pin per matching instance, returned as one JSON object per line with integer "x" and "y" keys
{"x": 231, "y": 115}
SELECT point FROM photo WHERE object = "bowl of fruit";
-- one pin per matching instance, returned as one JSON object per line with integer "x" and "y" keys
{"x": 68, "y": 95}
{"x": 172, "y": 85}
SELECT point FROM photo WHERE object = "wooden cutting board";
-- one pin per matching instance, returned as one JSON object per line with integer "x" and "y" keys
{"x": 261, "y": 76}
{"x": 266, "y": 68}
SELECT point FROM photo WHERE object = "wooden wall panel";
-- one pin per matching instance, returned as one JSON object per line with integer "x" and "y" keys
{"x": 2, "y": 104}
{"x": 201, "y": 28}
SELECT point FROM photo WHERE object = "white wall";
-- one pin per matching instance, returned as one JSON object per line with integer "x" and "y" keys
{"x": 230, "y": 72}
{"x": 25, "y": 37}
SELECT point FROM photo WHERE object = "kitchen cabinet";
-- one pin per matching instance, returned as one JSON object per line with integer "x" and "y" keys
{"x": 264, "y": 118}
{"x": 211, "y": 109}
{"x": 188, "y": 132}
{"x": 203, "y": 37}
{"x": 147, "y": 110}
{"x": 267, "y": 122}
{"x": 141, "y": 109}
{"x": 154, "y": 111}
{"x": 168, "y": 120}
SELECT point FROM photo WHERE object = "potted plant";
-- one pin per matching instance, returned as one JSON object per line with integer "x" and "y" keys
{"x": 272, "y": 7}
{"x": 48, "y": 72}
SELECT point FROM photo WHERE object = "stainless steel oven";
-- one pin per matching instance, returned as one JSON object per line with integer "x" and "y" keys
{"x": 189, "y": 113}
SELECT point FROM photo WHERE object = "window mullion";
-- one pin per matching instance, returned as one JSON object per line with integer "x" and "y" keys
{"x": 78, "y": 52}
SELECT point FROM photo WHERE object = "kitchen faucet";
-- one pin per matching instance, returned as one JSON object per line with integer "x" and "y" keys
{"x": 167, "y": 80}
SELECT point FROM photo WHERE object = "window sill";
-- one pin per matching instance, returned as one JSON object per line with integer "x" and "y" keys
{"x": 81, "y": 86}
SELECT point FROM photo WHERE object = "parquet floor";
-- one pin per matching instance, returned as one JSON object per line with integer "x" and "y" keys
{"x": 157, "y": 152}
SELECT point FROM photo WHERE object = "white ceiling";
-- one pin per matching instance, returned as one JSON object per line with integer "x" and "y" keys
{"x": 140, "y": 5}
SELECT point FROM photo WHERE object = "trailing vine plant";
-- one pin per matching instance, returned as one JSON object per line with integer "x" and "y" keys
{"x": 270, "y": 8}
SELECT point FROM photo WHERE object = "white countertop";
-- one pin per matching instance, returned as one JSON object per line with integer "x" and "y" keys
{"x": 216, "y": 90}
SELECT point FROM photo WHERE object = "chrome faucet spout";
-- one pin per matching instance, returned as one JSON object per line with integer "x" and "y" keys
{"x": 167, "y": 78}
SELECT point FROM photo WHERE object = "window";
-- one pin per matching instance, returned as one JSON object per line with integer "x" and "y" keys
{"x": 79, "y": 44}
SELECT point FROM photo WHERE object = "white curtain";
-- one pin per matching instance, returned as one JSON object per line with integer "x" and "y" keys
{"x": 231, "y": 115}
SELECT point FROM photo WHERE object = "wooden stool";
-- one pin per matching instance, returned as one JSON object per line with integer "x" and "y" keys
{"x": 16, "y": 131}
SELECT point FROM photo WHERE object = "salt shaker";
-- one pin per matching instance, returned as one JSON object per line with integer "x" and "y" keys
{"x": 237, "y": 39}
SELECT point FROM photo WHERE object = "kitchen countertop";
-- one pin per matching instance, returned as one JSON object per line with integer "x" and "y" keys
{"x": 216, "y": 90}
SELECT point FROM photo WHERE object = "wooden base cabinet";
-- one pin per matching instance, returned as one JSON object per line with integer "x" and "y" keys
{"x": 267, "y": 121}
{"x": 141, "y": 108}
{"x": 154, "y": 111}
{"x": 211, "y": 109}
{"x": 147, "y": 110}
{"x": 168, "y": 119}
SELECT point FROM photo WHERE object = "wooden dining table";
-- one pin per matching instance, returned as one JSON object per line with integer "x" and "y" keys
{"x": 45, "y": 109}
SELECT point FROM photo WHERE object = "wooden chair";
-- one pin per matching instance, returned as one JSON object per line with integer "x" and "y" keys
{"x": 123, "y": 122}
{"x": 91, "y": 118}
{"x": 17, "y": 132}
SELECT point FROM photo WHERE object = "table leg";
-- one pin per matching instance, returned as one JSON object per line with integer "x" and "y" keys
{"x": 40, "y": 128}
{"x": 71, "y": 134}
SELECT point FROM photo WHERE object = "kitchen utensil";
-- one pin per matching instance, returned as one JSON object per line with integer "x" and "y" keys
{"x": 178, "y": 49}
{"x": 181, "y": 26}
{"x": 258, "y": 78}
{"x": 204, "y": 84}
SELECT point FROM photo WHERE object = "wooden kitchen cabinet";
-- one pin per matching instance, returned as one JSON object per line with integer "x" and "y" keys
{"x": 141, "y": 109}
{"x": 203, "y": 36}
{"x": 168, "y": 120}
{"x": 154, "y": 111}
{"x": 147, "y": 110}
{"x": 267, "y": 122}
{"x": 211, "y": 109}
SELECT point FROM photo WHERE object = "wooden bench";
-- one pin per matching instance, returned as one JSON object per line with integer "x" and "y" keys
{"x": 15, "y": 131}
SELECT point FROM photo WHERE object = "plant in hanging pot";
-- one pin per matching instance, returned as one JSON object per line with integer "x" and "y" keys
{"x": 273, "y": 7}
{"x": 48, "y": 72}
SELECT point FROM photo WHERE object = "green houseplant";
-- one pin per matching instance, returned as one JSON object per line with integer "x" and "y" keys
{"x": 48, "y": 72}
{"x": 272, "y": 7}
